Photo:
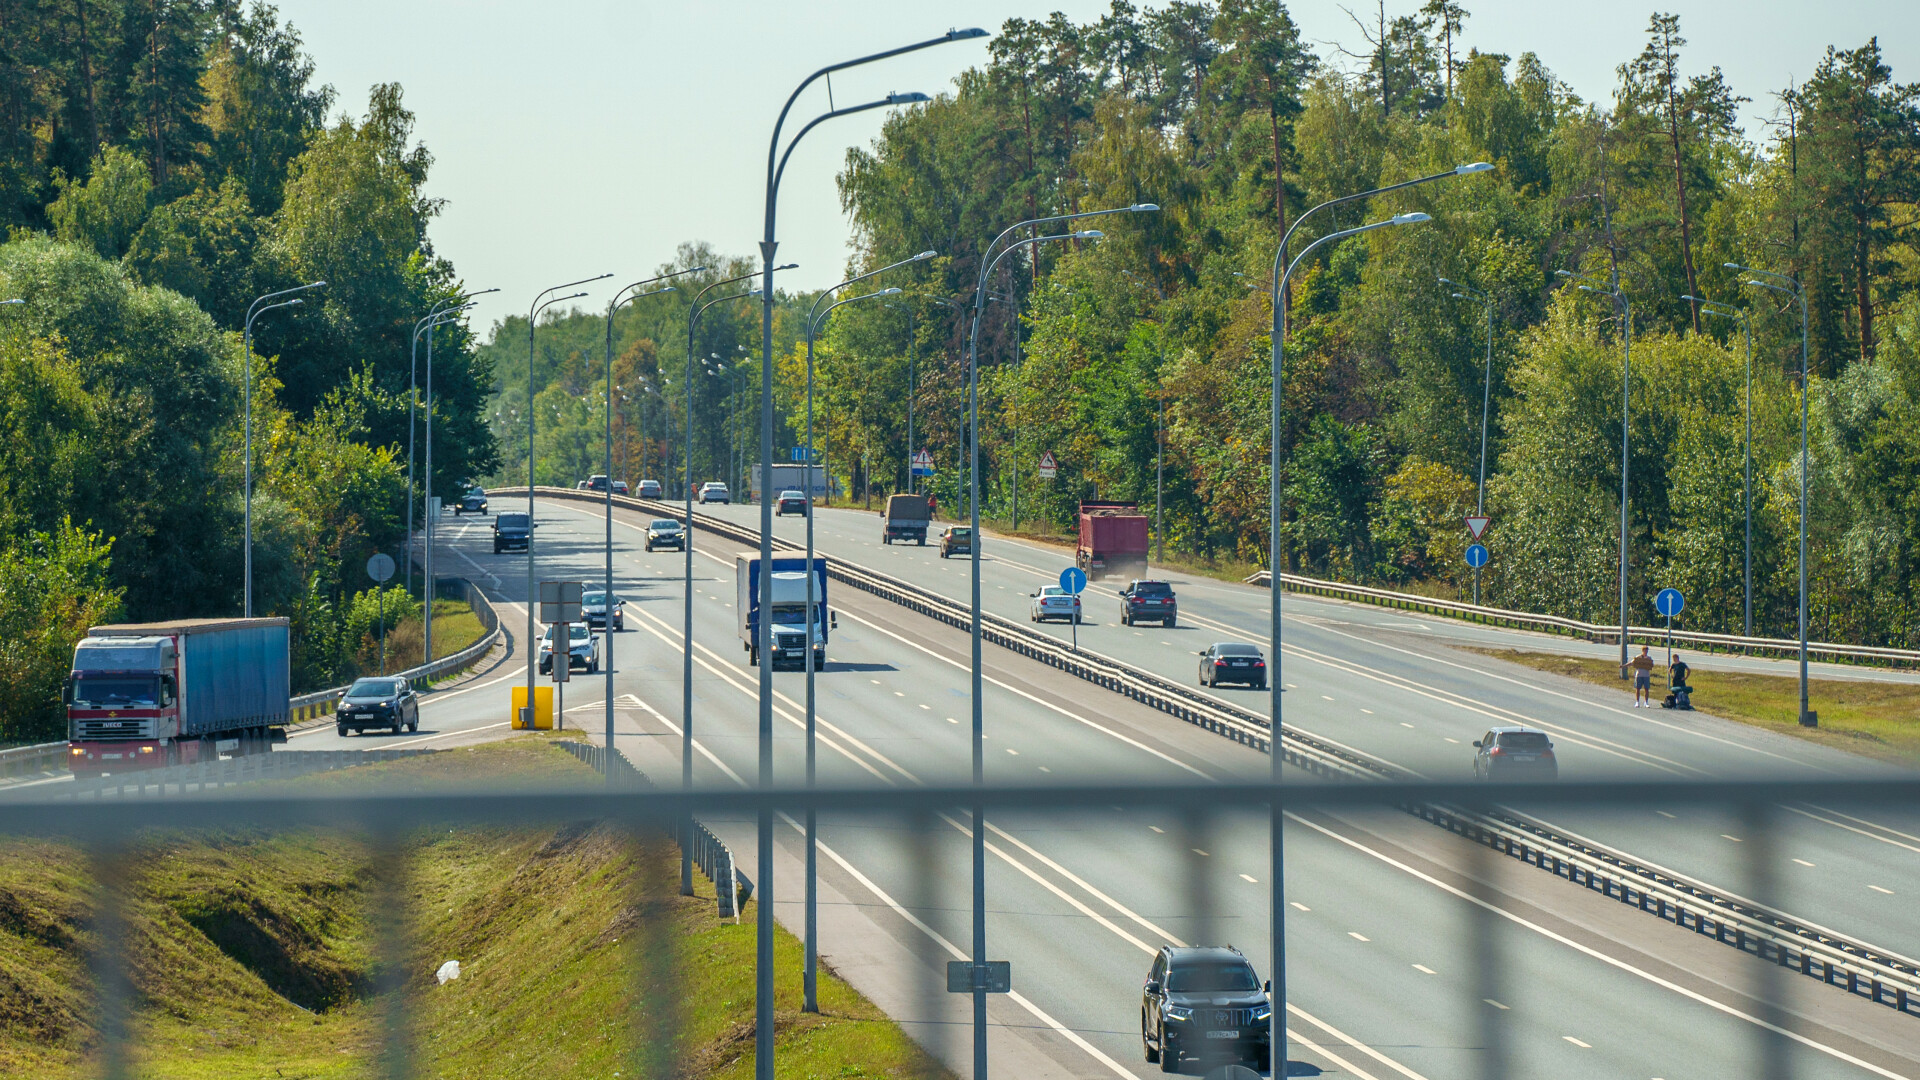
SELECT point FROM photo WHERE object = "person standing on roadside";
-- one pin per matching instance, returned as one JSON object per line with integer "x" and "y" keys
{"x": 1642, "y": 666}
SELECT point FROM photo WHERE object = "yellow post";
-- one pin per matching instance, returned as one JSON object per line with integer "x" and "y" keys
{"x": 542, "y": 707}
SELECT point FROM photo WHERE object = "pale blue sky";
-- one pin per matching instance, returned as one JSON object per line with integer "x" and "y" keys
{"x": 576, "y": 137}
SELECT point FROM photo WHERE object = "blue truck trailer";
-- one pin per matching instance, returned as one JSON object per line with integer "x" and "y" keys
{"x": 789, "y": 610}
{"x": 146, "y": 695}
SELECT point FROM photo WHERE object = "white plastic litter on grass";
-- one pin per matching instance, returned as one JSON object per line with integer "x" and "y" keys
{"x": 448, "y": 972}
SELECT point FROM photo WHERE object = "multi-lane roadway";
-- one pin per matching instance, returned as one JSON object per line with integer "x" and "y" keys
{"x": 1381, "y": 931}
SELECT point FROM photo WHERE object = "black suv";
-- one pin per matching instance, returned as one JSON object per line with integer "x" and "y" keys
{"x": 511, "y": 531}
{"x": 1152, "y": 600}
{"x": 1517, "y": 753}
{"x": 1204, "y": 1003}
{"x": 473, "y": 502}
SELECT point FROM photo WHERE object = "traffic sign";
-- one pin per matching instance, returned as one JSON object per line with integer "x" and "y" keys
{"x": 1048, "y": 467}
{"x": 560, "y": 601}
{"x": 923, "y": 464}
{"x": 1074, "y": 580}
{"x": 1669, "y": 602}
{"x": 1477, "y": 555}
{"x": 1477, "y": 524}
{"x": 380, "y": 567}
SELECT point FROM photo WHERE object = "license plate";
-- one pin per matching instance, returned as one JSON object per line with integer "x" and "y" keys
{"x": 1223, "y": 1034}
{"x": 111, "y": 757}
{"x": 1525, "y": 757}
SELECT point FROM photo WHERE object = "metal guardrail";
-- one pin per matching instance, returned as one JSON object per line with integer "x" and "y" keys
{"x": 21, "y": 761}
{"x": 1594, "y": 632}
{"x": 1883, "y": 975}
{"x": 321, "y": 702}
{"x": 709, "y": 852}
{"x": 205, "y": 776}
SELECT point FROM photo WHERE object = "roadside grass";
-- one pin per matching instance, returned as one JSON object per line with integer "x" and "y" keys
{"x": 252, "y": 954}
{"x": 1878, "y": 720}
{"x": 455, "y": 627}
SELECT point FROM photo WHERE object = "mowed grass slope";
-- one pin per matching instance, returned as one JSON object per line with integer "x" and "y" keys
{"x": 253, "y": 955}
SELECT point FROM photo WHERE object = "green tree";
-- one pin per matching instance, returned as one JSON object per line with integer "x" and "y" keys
{"x": 107, "y": 210}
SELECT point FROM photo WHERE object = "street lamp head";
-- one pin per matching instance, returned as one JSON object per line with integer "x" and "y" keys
{"x": 1731, "y": 266}
{"x": 889, "y": 292}
{"x": 1089, "y": 234}
{"x": 1469, "y": 170}
{"x": 294, "y": 303}
{"x": 1414, "y": 218}
{"x": 924, "y": 256}
{"x": 1759, "y": 284}
{"x": 1588, "y": 288}
{"x": 1448, "y": 281}
{"x": 1142, "y": 208}
{"x": 318, "y": 285}
{"x": 1563, "y": 273}
{"x": 911, "y": 97}
{"x": 1459, "y": 296}
{"x": 5, "y": 303}
{"x": 966, "y": 35}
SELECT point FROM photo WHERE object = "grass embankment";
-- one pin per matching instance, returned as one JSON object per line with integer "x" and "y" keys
{"x": 455, "y": 627}
{"x": 253, "y": 955}
{"x": 1880, "y": 720}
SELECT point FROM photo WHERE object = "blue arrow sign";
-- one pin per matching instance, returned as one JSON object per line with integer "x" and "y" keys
{"x": 1669, "y": 602}
{"x": 1477, "y": 555}
{"x": 1074, "y": 580}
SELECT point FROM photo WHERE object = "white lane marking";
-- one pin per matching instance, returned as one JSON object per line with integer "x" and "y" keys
{"x": 1355, "y": 1043}
{"x": 1666, "y": 815}
{"x": 1358, "y": 936}
{"x": 1424, "y": 969}
{"x": 1577, "y": 1042}
{"x": 1724, "y": 836}
{"x": 1853, "y": 829}
{"x": 1495, "y": 1004}
{"x": 1329, "y": 1055}
{"x": 1299, "y": 905}
{"x": 1878, "y": 889}
{"x": 443, "y": 735}
{"x": 1870, "y": 824}
{"x": 1156, "y": 828}
{"x": 1589, "y": 951}
{"x": 1803, "y": 862}
{"x": 1249, "y": 879}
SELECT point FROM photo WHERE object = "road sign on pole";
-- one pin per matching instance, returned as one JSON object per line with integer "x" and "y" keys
{"x": 560, "y": 601}
{"x": 1669, "y": 602}
{"x": 1073, "y": 580}
{"x": 923, "y": 464}
{"x": 1048, "y": 467}
{"x": 1477, "y": 525}
{"x": 380, "y": 567}
{"x": 1477, "y": 555}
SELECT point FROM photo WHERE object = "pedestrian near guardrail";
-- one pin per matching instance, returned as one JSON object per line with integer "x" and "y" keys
{"x": 1642, "y": 666}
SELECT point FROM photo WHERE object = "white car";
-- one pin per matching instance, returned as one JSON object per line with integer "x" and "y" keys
{"x": 1054, "y": 602}
{"x": 649, "y": 489}
{"x": 583, "y": 649}
{"x": 714, "y": 491}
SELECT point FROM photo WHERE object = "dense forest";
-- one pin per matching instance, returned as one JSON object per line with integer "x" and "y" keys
{"x": 161, "y": 166}
{"x": 1225, "y": 117}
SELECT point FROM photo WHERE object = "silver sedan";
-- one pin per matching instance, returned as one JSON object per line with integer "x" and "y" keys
{"x": 1054, "y": 602}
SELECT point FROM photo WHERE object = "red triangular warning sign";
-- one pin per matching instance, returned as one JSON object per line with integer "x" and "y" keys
{"x": 1046, "y": 460}
{"x": 1477, "y": 525}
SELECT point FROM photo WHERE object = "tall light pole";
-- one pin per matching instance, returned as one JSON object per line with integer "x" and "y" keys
{"x": 815, "y": 320}
{"x": 1728, "y": 311}
{"x": 413, "y": 393}
{"x": 913, "y": 347}
{"x": 625, "y": 296}
{"x": 540, "y": 303}
{"x": 254, "y": 311}
{"x": 694, "y": 311}
{"x": 1468, "y": 292}
{"x": 1611, "y": 289}
{"x": 769, "y": 243}
{"x": 989, "y": 260}
{"x": 1160, "y": 426}
{"x": 1791, "y": 288}
{"x": 447, "y": 315}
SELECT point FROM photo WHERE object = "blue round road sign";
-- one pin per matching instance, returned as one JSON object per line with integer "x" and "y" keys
{"x": 1074, "y": 580}
{"x": 1477, "y": 555}
{"x": 1669, "y": 602}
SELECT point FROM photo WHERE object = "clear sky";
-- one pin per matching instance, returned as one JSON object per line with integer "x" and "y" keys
{"x": 579, "y": 137}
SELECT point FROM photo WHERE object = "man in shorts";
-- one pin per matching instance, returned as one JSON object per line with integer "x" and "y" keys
{"x": 1642, "y": 666}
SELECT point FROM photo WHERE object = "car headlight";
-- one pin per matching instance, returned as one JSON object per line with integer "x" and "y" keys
{"x": 1262, "y": 1012}
{"x": 1178, "y": 1012}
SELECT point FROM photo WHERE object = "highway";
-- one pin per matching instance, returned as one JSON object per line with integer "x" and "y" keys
{"x": 1380, "y": 964}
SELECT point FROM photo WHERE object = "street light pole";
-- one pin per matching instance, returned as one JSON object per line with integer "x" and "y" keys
{"x": 815, "y": 320}
{"x": 1612, "y": 289}
{"x": 413, "y": 395}
{"x": 1468, "y": 292}
{"x": 1276, "y": 869}
{"x": 426, "y": 556}
{"x": 626, "y": 295}
{"x": 989, "y": 261}
{"x": 540, "y": 303}
{"x": 1728, "y": 311}
{"x": 1794, "y": 289}
{"x": 254, "y": 311}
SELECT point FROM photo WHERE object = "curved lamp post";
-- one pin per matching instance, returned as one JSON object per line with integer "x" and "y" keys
{"x": 815, "y": 320}
{"x": 1787, "y": 286}
{"x": 1277, "y": 864}
{"x": 444, "y": 316}
{"x": 1728, "y": 311}
{"x": 694, "y": 311}
{"x": 413, "y": 390}
{"x": 254, "y": 311}
{"x": 541, "y": 302}
{"x": 625, "y": 296}
{"x": 776, "y": 167}
{"x": 1468, "y": 292}
{"x": 1611, "y": 289}
{"x": 989, "y": 261}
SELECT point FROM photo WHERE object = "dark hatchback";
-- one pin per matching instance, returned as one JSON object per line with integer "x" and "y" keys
{"x": 1150, "y": 600}
{"x": 378, "y": 703}
{"x": 511, "y": 532}
{"x": 473, "y": 502}
{"x": 1233, "y": 662}
{"x": 1514, "y": 753}
{"x": 1204, "y": 1003}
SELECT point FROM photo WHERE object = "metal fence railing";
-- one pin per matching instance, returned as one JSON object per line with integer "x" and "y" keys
{"x": 174, "y": 781}
{"x": 1199, "y": 813}
{"x": 23, "y": 762}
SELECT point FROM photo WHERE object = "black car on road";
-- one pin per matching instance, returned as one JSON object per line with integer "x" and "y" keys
{"x": 1207, "y": 1004}
{"x": 1150, "y": 600}
{"x": 511, "y": 532}
{"x": 791, "y": 502}
{"x": 1514, "y": 753}
{"x": 473, "y": 502}
{"x": 1233, "y": 662}
{"x": 384, "y": 702}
